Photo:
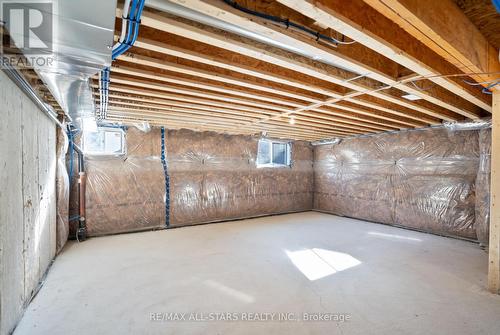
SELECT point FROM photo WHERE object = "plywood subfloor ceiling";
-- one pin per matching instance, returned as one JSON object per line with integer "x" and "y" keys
{"x": 184, "y": 74}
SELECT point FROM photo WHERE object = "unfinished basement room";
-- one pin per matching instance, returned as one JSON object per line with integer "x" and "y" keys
{"x": 250, "y": 167}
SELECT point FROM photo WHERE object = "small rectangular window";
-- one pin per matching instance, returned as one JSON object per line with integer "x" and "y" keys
{"x": 104, "y": 142}
{"x": 273, "y": 153}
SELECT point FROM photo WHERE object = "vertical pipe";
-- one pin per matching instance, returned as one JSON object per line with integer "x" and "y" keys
{"x": 82, "y": 183}
{"x": 82, "y": 227}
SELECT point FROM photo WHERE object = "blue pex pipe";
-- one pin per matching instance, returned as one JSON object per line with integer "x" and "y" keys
{"x": 496, "y": 3}
{"x": 132, "y": 28}
{"x": 167, "y": 179}
{"x": 132, "y": 32}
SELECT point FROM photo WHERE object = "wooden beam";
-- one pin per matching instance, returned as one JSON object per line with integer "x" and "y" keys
{"x": 196, "y": 93}
{"x": 494, "y": 245}
{"x": 226, "y": 13}
{"x": 368, "y": 27}
{"x": 227, "y": 98}
{"x": 215, "y": 118}
{"x": 241, "y": 110}
{"x": 368, "y": 120}
{"x": 202, "y": 85}
{"x": 284, "y": 59}
{"x": 199, "y": 127}
{"x": 254, "y": 95}
{"x": 453, "y": 36}
{"x": 230, "y": 65}
{"x": 168, "y": 105}
{"x": 159, "y": 64}
{"x": 208, "y": 122}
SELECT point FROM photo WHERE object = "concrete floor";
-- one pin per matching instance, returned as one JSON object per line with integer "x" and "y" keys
{"x": 384, "y": 280}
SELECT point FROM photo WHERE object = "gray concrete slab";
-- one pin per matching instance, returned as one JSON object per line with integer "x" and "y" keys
{"x": 385, "y": 280}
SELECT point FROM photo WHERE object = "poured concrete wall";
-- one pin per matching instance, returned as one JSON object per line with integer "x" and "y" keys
{"x": 27, "y": 200}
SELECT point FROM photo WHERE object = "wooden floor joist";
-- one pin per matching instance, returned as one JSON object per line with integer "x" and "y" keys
{"x": 304, "y": 68}
{"x": 384, "y": 37}
{"x": 167, "y": 119}
{"x": 155, "y": 63}
{"x": 453, "y": 36}
{"x": 210, "y": 105}
{"x": 216, "y": 117}
{"x": 245, "y": 101}
{"x": 216, "y": 8}
{"x": 271, "y": 55}
{"x": 363, "y": 119}
{"x": 171, "y": 105}
{"x": 179, "y": 67}
{"x": 173, "y": 67}
{"x": 202, "y": 127}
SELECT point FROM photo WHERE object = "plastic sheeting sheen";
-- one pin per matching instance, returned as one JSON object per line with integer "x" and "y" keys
{"x": 435, "y": 180}
{"x": 422, "y": 179}
{"x": 126, "y": 194}
{"x": 213, "y": 177}
{"x": 62, "y": 187}
{"x": 483, "y": 187}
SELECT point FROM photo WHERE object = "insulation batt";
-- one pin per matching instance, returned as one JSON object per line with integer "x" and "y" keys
{"x": 213, "y": 177}
{"x": 434, "y": 180}
{"x": 62, "y": 188}
{"x": 483, "y": 187}
{"x": 422, "y": 179}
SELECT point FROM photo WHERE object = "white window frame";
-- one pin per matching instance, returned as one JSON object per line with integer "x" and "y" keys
{"x": 104, "y": 153}
{"x": 272, "y": 164}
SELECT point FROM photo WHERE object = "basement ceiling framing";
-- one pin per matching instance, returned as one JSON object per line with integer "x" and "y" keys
{"x": 184, "y": 74}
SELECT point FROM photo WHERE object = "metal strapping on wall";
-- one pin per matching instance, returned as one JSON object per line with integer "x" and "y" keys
{"x": 167, "y": 179}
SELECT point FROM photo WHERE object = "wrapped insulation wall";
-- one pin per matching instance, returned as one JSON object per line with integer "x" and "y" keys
{"x": 434, "y": 180}
{"x": 213, "y": 177}
{"x": 483, "y": 187}
{"x": 126, "y": 194}
{"x": 423, "y": 179}
{"x": 62, "y": 190}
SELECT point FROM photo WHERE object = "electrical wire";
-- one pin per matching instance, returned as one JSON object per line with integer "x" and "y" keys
{"x": 287, "y": 23}
{"x": 130, "y": 31}
{"x": 421, "y": 88}
{"x": 481, "y": 83}
{"x": 487, "y": 89}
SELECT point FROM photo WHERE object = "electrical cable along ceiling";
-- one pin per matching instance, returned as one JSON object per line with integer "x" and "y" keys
{"x": 290, "y": 69}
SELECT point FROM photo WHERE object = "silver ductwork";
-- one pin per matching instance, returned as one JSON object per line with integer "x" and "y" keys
{"x": 82, "y": 40}
{"x": 82, "y": 44}
{"x": 194, "y": 15}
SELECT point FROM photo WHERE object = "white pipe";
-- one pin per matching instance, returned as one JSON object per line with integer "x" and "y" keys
{"x": 126, "y": 7}
{"x": 194, "y": 15}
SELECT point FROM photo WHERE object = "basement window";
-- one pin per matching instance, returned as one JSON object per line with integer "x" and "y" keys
{"x": 104, "y": 142}
{"x": 273, "y": 153}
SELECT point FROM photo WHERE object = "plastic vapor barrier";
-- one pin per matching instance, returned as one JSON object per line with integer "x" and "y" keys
{"x": 423, "y": 179}
{"x": 126, "y": 193}
{"x": 62, "y": 188}
{"x": 483, "y": 187}
{"x": 435, "y": 180}
{"x": 213, "y": 177}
